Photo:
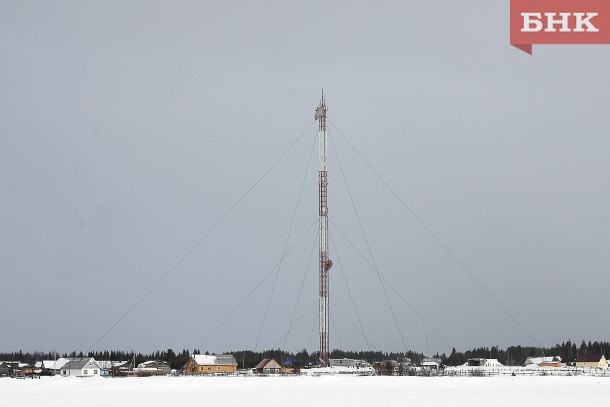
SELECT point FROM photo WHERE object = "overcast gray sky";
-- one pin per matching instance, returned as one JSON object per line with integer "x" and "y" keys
{"x": 127, "y": 129}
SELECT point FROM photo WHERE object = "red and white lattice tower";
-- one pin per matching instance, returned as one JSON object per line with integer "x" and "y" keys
{"x": 325, "y": 263}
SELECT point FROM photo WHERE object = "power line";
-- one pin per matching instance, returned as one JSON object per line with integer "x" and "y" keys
{"x": 277, "y": 274}
{"x": 300, "y": 291}
{"x": 332, "y": 321}
{"x": 202, "y": 238}
{"x": 315, "y": 322}
{"x": 437, "y": 239}
{"x": 390, "y": 285}
{"x": 334, "y": 304}
{"x": 295, "y": 324}
{"x": 349, "y": 292}
{"x": 369, "y": 247}
{"x": 255, "y": 288}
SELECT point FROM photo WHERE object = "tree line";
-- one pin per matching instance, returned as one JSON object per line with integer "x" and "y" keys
{"x": 516, "y": 355}
{"x": 511, "y": 356}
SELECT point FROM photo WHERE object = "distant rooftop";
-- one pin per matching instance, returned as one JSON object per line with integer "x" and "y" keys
{"x": 595, "y": 357}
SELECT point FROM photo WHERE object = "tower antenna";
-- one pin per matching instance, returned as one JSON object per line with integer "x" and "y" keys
{"x": 325, "y": 262}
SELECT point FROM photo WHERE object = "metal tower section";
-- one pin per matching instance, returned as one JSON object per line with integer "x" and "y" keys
{"x": 325, "y": 263}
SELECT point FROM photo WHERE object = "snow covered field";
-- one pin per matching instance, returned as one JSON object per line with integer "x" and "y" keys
{"x": 304, "y": 391}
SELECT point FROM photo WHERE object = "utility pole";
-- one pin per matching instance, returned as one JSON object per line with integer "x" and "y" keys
{"x": 325, "y": 263}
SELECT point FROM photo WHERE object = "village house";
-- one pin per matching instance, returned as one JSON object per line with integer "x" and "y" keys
{"x": 118, "y": 368}
{"x": 267, "y": 366}
{"x": 482, "y": 362}
{"x": 153, "y": 368}
{"x": 15, "y": 368}
{"x": 81, "y": 367}
{"x": 431, "y": 363}
{"x": 106, "y": 366}
{"x": 594, "y": 361}
{"x": 387, "y": 367}
{"x": 210, "y": 364}
{"x": 345, "y": 362}
{"x": 546, "y": 361}
{"x": 5, "y": 369}
{"x": 50, "y": 367}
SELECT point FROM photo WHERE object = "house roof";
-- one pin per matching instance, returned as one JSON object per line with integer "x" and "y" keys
{"x": 487, "y": 362}
{"x": 79, "y": 363}
{"x": 263, "y": 363}
{"x": 538, "y": 360}
{"x": 105, "y": 364}
{"x": 595, "y": 357}
{"x": 214, "y": 360}
{"x": 153, "y": 363}
{"x": 52, "y": 364}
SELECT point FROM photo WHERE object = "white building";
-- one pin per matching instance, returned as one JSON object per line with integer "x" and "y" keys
{"x": 345, "y": 362}
{"x": 81, "y": 367}
{"x": 431, "y": 363}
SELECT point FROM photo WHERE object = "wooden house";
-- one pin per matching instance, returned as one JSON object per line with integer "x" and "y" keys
{"x": 267, "y": 366}
{"x": 210, "y": 364}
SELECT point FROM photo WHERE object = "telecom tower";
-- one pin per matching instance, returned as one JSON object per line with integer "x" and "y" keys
{"x": 325, "y": 263}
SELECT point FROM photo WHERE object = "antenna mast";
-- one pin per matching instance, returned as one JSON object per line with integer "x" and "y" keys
{"x": 325, "y": 263}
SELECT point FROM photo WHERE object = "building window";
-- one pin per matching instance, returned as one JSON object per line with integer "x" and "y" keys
{"x": 85, "y": 371}
{"x": 209, "y": 368}
{"x": 217, "y": 367}
{"x": 95, "y": 372}
{"x": 65, "y": 372}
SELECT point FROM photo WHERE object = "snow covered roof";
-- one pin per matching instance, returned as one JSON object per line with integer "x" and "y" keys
{"x": 488, "y": 363}
{"x": 431, "y": 362}
{"x": 539, "y": 360}
{"x": 52, "y": 364}
{"x": 105, "y": 364}
{"x": 153, "y": 364}
{"x": 214, "y": 360}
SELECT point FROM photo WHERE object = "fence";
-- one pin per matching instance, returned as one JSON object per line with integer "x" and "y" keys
{"x": 520, "y": 371}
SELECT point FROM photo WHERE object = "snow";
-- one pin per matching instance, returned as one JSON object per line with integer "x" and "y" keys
{"x": 205, "y": 359}
{"x": 339, "y": 390}
{"x": 52, "y": 364}
{"x": 539, "y": 360}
